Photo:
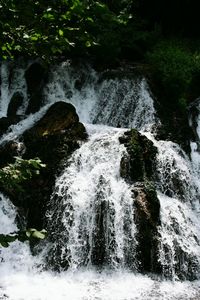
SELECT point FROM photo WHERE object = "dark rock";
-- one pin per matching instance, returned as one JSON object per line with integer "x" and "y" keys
{"x": 98, "y": 250}
{"x": 194, "y": 110}
{"x": 6, "y": 122}
{"x": 36, "y": 76}
{"x": 147, "y": 218}
{"x": 9, "y": 151}
{"x": 137, "y": 167}
{"x": 15, "y": 102}
{"x": 52, "y": 139}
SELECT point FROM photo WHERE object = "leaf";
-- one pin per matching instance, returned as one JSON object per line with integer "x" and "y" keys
{"x": 60, "y": 31}
{"x": 88, "y": 44}
{"x": 49, "y": 16}
{"x": 28, "y": 233}
{"x": 32, "y": 232}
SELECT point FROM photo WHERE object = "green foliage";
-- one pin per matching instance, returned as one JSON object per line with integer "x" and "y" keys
{"x": 13, "y": 175}
{"x": 45, "y": 29}
{"x": 31, "y": 233}
{"x": 11, "y": 178}
{"x": 174, "y": 64}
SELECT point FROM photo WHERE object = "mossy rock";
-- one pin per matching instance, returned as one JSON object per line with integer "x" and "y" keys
{"x": 139, "y": 164}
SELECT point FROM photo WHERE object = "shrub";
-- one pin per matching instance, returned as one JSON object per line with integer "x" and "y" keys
{"x": 13, "y": 175}
{"x": 174, "y": 65}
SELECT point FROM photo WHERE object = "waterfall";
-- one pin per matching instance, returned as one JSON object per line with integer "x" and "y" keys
{"x": 91, "y": 209}
{"x": 90, "y": 218}
{"x": 113, "y": 102}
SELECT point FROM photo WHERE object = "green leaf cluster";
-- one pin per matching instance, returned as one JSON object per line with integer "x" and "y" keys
{"x": 30, "y": 233}
{"x": 13, "y": 175}
{"x": 45, "y": 29}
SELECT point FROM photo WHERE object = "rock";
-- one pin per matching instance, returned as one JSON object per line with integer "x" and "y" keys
{"x": 36, "y": 76}
{"x": 52, "y": 139}
{"x": 137, "y": 167}
{"x": 60, "y": 117}
{"x": 15, "y": 102}
{"x": 139, "y": 164}
{"x": 147, "y": 219}
{"x": 6, "y": 122}
{"x": 194, "y": 109}
{"x": 9, "y": 151}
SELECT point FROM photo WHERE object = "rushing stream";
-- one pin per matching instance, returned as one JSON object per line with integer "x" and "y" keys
{"x": 91, "y": 213}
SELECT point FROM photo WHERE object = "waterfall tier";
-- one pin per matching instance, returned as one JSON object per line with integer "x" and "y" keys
{"x": 91, "y": 216}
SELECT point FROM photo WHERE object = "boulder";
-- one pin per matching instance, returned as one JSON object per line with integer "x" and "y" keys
{"x": 138, "y": 164}
{"x": 52, "y": 139}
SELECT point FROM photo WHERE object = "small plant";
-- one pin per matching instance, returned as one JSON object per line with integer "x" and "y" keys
{"x": 31, "y": 233}
{"x": 13, "y": 175}
{"x": 11, "y": 178}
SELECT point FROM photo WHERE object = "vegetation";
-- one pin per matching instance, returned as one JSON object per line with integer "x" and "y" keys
{"x": 174, "y": 64}
{"x": 107, "y": 30}
{"x": 13, "y": 175}
{"x": 45, "y": 29}
{"x": 22, "y": 236}
{"x": 11, "y": 178}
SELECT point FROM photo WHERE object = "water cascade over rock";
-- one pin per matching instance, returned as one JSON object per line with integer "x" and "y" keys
{"x": 116, "y": 201}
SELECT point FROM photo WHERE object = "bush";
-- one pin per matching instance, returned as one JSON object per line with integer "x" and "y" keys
{"x": 174, "y": 65}
{"x": 13, "y": 175}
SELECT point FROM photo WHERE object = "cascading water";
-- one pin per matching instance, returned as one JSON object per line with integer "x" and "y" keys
{"x": 90, "y": 217}
{"x": 92, "y": 206}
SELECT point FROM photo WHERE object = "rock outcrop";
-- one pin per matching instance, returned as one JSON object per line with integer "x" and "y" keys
{"x": 138, "y": 168}
{"x": 52, "y": 139}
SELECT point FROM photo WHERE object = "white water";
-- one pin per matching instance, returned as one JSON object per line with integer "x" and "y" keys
{"x": 113, "y": 102}
{"x": 91, "y": 183}
{"x": 118, "y": 103}
{"x": 91, "y": 200}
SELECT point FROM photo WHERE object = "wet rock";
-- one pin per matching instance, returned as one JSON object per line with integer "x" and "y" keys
{"x": 6, "y": 122}
{"x": 9, "y": 151}
{"x": 36, "y": 76}
{"x": 52, "y": 139}
{"x": 147, "y": 219}
{"x": 15, "y": 102}
{"x": 137, "y": 167}
{"x": 194, "y": 109}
